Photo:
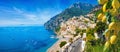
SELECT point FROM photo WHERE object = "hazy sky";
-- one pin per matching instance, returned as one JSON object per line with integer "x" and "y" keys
{"x": 32, "y": 12}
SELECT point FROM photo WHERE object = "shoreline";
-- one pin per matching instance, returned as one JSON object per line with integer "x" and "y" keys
{"x": 55, "y": 47}
{"x": 50, "y": 49}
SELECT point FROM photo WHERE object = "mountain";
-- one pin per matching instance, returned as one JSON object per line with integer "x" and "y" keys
{"x": 76, "y": 9}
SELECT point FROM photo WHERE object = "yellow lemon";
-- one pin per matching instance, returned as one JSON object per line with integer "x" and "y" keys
{"x": 113, "y": 39}
{"x": 112, "y": 26}
{"x": 115, "y": 4}
{"x": 100, "y": 16}
{"x": 102, "y": 1}
{"x": 114, "y": 12}
{"x": 104, "y": 19}
{"x": 104, "y": 7}
{"x": 107, "y": 33}
{"x": 107, "y": 44}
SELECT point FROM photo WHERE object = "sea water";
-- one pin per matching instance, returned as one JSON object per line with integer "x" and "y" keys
{"x": 25, "y": 39}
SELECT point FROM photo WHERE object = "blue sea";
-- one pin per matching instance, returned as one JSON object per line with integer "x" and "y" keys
{"x": 25, "y": 39}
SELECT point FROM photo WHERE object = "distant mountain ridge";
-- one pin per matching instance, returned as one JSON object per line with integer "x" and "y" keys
{"x": 76, "y": 9}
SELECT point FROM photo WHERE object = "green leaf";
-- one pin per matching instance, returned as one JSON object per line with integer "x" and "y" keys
{"x": 108, "y": 16}
{"x": 109, "y": 5}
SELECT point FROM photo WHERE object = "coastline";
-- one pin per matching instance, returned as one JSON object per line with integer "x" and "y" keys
{"x": 51, "y": 49}
{"x": 55, "y": 47}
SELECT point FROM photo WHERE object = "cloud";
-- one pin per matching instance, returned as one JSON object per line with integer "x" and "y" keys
{"x": 31, "y": 17}
{"x": 18, "y": 16}
{"x": 17, "y": 10}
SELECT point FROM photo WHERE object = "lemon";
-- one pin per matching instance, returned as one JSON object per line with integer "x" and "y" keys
{"x": 104, "y": 7}
{"x": 104, "y": 19}
{"x": 107, "y": 44}
{"x": 113, "y": 39}
{"x": 107, "y": 33}
{"x": 114, "y": 12}
{"x": 100, "y": 16}
{"x": 115, "y": 4}
{"x": 112, "y": 26}
{"x": 102, "y": 1}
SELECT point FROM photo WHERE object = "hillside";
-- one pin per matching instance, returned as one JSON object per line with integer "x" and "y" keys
{"x": 76, "y": 9}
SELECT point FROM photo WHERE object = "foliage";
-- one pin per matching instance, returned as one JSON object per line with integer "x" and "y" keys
{"x": 100, "y": 27}
{"x": 95, "y": 48}
{"x": 62, "y": 44}
{"x": 77, "y": 30}
{"x": 71, "y": 40}
{"x": 57, "y": 29}
{"x": 90, "y": 31}
{"x": 90, "y": 37}
{"x": 97, "y": 12}
{"x": 108, "y": 24}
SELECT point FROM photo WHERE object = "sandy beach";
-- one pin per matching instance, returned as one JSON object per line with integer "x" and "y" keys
{"x": 55, "y": 47}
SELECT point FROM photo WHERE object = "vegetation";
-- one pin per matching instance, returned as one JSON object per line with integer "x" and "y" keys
{"x": 90, "y": 31}
{"x": 100, "y": 27}
{"x": 71, "y": 40}
{"x": 57, "y": 29}
{"x": 108, "y": 24}
{"x": 76, "y": 9}
{"x": 79, "y": 31}
{"x": 62, "y": 44}
{"x": 93, "y": 47}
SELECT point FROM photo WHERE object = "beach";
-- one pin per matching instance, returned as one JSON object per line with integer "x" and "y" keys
{"x": 55, "y": 47}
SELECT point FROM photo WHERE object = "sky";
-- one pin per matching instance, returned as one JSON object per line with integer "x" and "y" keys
{"x": 32, "y": 12}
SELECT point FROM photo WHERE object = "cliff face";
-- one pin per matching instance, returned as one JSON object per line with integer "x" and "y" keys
{"x": 76, "y": 9}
